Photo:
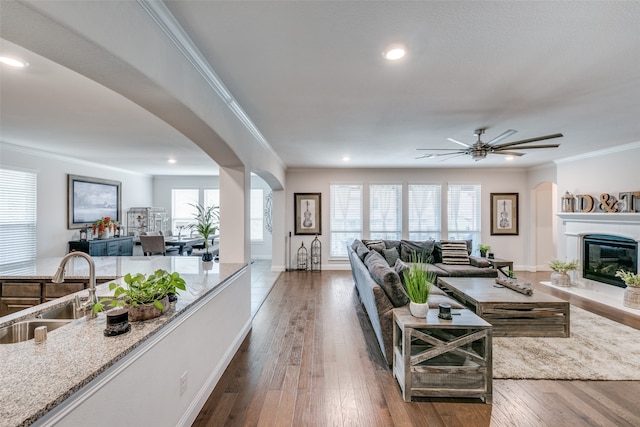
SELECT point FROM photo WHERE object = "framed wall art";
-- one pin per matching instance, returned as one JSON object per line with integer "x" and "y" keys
{"x": 307, "y": 208}
{"x": 90, "y": 199}
{"x": 504, "y": 214}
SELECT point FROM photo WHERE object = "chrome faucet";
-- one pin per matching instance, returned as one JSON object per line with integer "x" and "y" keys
{"x": 87, "y": 307}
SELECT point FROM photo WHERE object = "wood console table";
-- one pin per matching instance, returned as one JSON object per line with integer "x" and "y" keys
{"x": 433, "y": 357}
{"x": 114, "y": 246}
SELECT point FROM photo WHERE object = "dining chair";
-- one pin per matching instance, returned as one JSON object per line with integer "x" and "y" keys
{"x": 154, "y": 245}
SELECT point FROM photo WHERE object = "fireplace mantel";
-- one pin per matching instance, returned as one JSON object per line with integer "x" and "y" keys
{"x": 600, "y": 217}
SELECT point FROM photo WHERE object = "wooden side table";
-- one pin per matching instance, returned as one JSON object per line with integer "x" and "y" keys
{"x": 499, "y": 264}
{"x": 433, "y": 357}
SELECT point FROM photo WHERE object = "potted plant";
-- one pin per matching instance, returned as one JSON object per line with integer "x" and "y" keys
{"x": 418, "y": 281}
{"x": 206, "y": 223}
{"x": 559, "y": 277}
{"x": 632, "y": 292}
{"x": 146, "y": 297}
{"x": 483, "y": 250}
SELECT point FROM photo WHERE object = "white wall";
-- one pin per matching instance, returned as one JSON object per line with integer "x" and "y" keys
{"x": 491, "y": 180}
{"x": 607, "y": 171}
{"x": 52, "y": 233}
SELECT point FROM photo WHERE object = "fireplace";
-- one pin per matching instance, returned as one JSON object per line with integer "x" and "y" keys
{"x": 604, "y": 254}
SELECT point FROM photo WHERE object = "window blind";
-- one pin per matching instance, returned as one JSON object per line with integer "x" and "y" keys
{"x": 182, "y": 213}
{"x": 18, "y": 216}
{"x": 464, "y": 212}
{"x": 424, "y": 207}
{"x": 385, "y": 211}
{"x": 345, "y": 217}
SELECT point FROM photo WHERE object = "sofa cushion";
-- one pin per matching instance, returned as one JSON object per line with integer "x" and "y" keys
{"x": 400, "y": 266}
{"x": 435, "y": 300}
{"x": 479, "y": 262}
{"x": 463, "y": 270}
{"x": 386, "y": 277}
{"x": 391, "y": 255}
{"x": 388, "y": 244}
{"x": 422, "y": 249}
{"x": 360, "y": 249}
{"x": 454, "y": 252}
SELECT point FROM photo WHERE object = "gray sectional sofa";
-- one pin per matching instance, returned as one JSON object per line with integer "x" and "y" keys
{"x": 377, "y": 269}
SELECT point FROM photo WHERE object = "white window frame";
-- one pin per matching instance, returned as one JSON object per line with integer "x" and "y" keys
{"x": 256, "y": 215}
{"x": 468, "y": 200}
{"x": 385, "y": 207}
{"x": 340, "y": 234}
{"x": 429, "y": 206}
{"x": 18, "y": 217}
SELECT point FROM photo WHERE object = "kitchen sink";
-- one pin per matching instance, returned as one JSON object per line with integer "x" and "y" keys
{"x": 67, "y": 311}
{"x": 24, "y": 330}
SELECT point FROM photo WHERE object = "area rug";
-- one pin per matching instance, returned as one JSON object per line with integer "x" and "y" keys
{"x": 598, "y": 349}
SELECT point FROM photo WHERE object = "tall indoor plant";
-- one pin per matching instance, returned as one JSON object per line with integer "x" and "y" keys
{"x": 207, "y": 221}
{"x": 418, "y": 281}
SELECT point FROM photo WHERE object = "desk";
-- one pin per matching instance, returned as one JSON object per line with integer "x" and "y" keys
{"x": 182, "y": 242}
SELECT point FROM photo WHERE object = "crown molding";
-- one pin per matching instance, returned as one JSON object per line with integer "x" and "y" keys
{"x": 162, "y": 16}
{"x": 598, "y": 153}
{"x": 46, "y": 154}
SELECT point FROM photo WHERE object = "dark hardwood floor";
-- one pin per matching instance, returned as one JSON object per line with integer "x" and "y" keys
{"x": 311, "y": 359}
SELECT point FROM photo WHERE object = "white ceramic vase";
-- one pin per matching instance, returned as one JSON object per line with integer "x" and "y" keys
{"x": 418, "y": 310}
{"x": 632, "y": 297}
{"x": 560, "y": 279}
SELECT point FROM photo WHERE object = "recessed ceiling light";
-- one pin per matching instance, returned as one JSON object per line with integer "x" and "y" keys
{"x": 346, "y": 158}
{"x": 172, "y": 161}
{"x": 394, "y": 52}
{"x": 509, "y": 157}
{"x": 13, "y": 62}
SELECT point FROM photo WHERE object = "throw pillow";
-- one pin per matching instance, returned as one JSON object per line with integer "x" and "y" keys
{"x": 479, "y": 262}
{"x": 454, "y": 252}
{"x": 360, "y": 249}
{"x": 387, "y": 278}
{"x": 421, "y": 249}
{"x": 375, "y": 245}
{"x": 391, "y": 255}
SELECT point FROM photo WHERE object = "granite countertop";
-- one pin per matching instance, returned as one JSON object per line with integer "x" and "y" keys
{"x": 107, "y": 268}
{"x": 34, "y": 378}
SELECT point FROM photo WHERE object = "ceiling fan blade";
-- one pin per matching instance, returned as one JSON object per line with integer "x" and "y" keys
{"x": 458, "y": 142}
{"x": 461, "y": 154}
{"x": 438, "y": 149}
{"x": 508, "y": 153}
{"x": 530, "y": 146}
{"x": 524, "y": 141}
{"x": 502, "y": 136}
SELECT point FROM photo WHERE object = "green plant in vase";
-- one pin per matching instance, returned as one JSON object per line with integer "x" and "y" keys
{"x": 632, "y": 291}
{"x": 207, "y": 221}
{"x": 143, "y": 292}
{"x": 559, "y": 277}
{"x": 483, "y": 250}
{"x": 418, "y": 281}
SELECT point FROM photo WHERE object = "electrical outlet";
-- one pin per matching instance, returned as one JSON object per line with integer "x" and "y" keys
{"x": 183, "y": 383}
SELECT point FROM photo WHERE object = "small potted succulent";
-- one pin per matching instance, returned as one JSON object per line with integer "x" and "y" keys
{"x": 559, "y": 277}
{"x": 484, "y": 249}
{"x": 632, "y": 291}
{"x": 418, "y": 282}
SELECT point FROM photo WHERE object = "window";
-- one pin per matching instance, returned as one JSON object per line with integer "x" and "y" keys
{"x": 182, "y": 213}
{"x": 424, "y": 205}
{"x": 256, "y": 212}
{"x": 464, "y": 213}
{"x": 212, "y": 197}
{"x": 385, "y": 212}
{"x": 18, "y": 216}
{"x": 346, "y": 217}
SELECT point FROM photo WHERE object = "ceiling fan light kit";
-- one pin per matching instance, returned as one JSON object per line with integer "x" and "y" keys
{"x": 479, "y": 150}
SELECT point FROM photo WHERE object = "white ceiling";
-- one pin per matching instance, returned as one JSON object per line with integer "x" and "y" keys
{"x": 311, "y": 77}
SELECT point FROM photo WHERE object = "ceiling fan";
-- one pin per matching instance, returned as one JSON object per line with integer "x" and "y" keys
{"x": 480, "y": 149}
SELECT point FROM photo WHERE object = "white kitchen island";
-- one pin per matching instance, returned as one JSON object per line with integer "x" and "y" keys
{"x": 160, "y": 373}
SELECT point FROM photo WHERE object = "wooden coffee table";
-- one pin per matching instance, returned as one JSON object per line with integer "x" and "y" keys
{"x": 511, "y": 313}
